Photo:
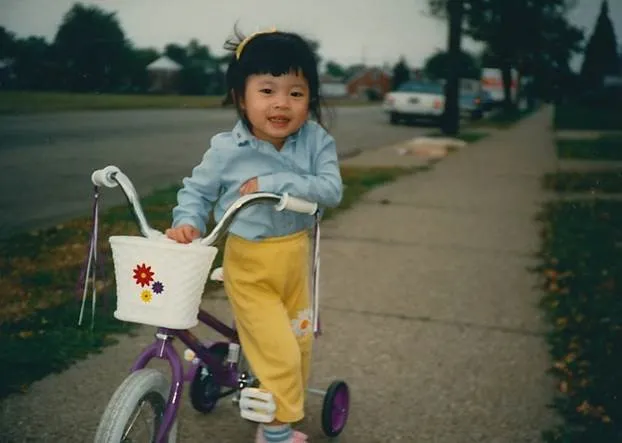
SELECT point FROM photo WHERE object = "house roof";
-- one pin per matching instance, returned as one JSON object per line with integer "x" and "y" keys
{"x": 164, "y": 64}
{"x": 363, "y": 70}
{"x": 327, "y": 78}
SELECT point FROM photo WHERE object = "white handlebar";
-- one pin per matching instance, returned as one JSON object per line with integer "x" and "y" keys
{"x": 296, "y": 204}
{"x": 111, "y": 176}
{"x": 103, "y": 177}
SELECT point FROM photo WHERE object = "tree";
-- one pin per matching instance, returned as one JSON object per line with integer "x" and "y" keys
{"x": 436, "y": 66}
{"x": 451, "y": 114}
{"x": 7, "y": 43}
{"x": 518, "y": 32}
{"x": 34, "y": 66}
{"x": 601, "y": 54}
{"x": 200, "y": 73}
{"x": 140, "y": 59}
{"x": 92, "y": 49}
{"x": 401, "y": 74}
{"x": 334, "y": 69}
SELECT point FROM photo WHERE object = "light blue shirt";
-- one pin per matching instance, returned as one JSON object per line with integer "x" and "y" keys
{"x": 306, "y": 167}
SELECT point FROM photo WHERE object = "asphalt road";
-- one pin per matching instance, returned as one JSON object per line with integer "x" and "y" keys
{"x": 46, "y": 160}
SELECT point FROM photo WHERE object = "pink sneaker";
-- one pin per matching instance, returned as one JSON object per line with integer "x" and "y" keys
{"x": 298, "y": 436}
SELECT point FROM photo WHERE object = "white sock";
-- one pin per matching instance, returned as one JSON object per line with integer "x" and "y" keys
{"x": 278, "y": 433}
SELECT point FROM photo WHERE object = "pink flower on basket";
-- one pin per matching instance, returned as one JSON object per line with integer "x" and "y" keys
{"x": 158, "y": 287}
{"x": 143, "y": 275}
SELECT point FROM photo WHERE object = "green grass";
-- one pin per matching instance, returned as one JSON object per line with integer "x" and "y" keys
{"x": 605, "y": 147}
{"x": 580, "y": 274}
{"x": 502, "y": 119}
{"x": 466, "y": 136}
{"x": 26, "y": 102}
{"x": 38, "y": 278}
{"x": 472, "y": 136}
{"x": 592, "y": 181}
{"x": 575, "y": 117}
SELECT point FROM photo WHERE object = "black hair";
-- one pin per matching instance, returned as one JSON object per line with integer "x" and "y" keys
{"x": 276, "y": 53}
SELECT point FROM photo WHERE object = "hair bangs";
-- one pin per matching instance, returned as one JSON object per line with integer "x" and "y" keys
{"x": 278, "y": 54}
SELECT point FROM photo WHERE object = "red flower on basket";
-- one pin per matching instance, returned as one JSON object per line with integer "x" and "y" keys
{"x": 143, "y": 275}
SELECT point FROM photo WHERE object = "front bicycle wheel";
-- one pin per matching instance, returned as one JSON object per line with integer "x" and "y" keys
{"x": 144, "y": 391}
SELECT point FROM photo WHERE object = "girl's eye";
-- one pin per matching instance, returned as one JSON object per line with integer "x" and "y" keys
{"x": 266, "y": 90}
{"x": 297, "y": 94}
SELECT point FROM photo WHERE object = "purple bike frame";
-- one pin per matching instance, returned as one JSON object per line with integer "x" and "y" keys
{"x": 163, "y": 349}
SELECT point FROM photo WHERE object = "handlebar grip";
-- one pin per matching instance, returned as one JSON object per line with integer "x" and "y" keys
{"x": 103, "y": 177}
{"x": 297, "y": 205}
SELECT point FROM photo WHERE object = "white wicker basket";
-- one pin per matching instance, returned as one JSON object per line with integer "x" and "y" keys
{"x": 160, "y": 282}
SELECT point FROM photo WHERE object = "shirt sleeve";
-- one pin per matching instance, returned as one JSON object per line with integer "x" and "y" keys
{"x": 324, "y": 187}
{"x": 200, "y": 191}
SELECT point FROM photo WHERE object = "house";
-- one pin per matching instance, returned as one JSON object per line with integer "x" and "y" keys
{"x": 372, "y": 83}
{"x": 333, "y": 87}
{"x": 163, "y": 75}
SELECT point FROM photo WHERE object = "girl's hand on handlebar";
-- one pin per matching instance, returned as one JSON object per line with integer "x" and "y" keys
{"x": 183, "y": 233}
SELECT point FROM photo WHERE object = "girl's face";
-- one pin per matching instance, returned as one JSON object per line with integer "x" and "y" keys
{"x": 276, "y": 106}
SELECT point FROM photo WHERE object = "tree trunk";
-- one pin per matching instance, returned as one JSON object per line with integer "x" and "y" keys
{"x": 451, "y": 114}
{"x": 506, "y": 75}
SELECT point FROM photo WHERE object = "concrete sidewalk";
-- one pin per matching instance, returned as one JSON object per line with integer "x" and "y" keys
{"x": 429, "y": 314}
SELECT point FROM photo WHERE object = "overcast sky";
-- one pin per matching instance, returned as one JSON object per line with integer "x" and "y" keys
{"x": 349, "y": 31}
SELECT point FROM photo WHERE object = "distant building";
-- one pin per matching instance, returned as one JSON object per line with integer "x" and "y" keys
{"x": 332, "y": 87}
{"x": 164, "y": 75}
{"x": 372, "y": 83}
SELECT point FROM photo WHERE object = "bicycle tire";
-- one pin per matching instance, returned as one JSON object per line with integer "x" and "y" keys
{"x": 144, "y": 384}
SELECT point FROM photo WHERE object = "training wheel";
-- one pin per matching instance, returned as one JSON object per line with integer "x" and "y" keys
{"x": 335, "y": 408}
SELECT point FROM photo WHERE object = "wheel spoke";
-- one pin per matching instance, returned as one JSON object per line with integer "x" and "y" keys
{"x": 133, "y": 420}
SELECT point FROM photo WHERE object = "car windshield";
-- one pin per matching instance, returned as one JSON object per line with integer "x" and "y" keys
{"x": 428, "y": 88}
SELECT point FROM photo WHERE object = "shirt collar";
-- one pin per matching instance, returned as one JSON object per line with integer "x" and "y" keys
{"x": 242, "y": 135}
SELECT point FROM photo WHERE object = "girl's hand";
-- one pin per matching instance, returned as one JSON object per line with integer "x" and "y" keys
{"x": 249, "y": 187}
{"x": 183, "y": 233}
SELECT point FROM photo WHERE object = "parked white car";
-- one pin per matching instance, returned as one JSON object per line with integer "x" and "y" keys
{"x": 415, "y": 100}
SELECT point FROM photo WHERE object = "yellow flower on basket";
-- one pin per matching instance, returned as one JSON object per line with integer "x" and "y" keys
{"x": 146, "y": 295}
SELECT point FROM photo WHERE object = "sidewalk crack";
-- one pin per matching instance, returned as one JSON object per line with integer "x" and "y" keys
{"x": 454, "y": 323}
{"x": 455, "y": 247}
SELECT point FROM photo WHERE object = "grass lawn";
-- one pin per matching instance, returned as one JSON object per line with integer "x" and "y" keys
{"x": 575, "y": 117}
{"x": 581, "y": 274}
{"x": 502, "y": 120}
{"x": 606, "y": 147}
{"x": 38, "y": 283}
{"x": 21, "y": 102}
{"x": 592, "y": 181}
{"x": 465, "y": 135}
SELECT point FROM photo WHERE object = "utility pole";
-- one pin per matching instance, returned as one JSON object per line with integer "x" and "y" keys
{"x": 451, "y": 115}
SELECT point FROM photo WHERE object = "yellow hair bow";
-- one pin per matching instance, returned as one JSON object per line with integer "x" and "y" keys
{"x": 238, "y": 50}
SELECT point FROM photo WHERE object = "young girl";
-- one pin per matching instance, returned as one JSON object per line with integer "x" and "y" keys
{"x": 274, "y": 147}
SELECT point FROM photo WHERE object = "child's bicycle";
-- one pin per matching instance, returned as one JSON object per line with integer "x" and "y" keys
{"x": 160, "y": 283}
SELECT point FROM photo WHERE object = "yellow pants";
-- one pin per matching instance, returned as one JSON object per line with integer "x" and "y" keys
{"x": 267, "y": 283}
